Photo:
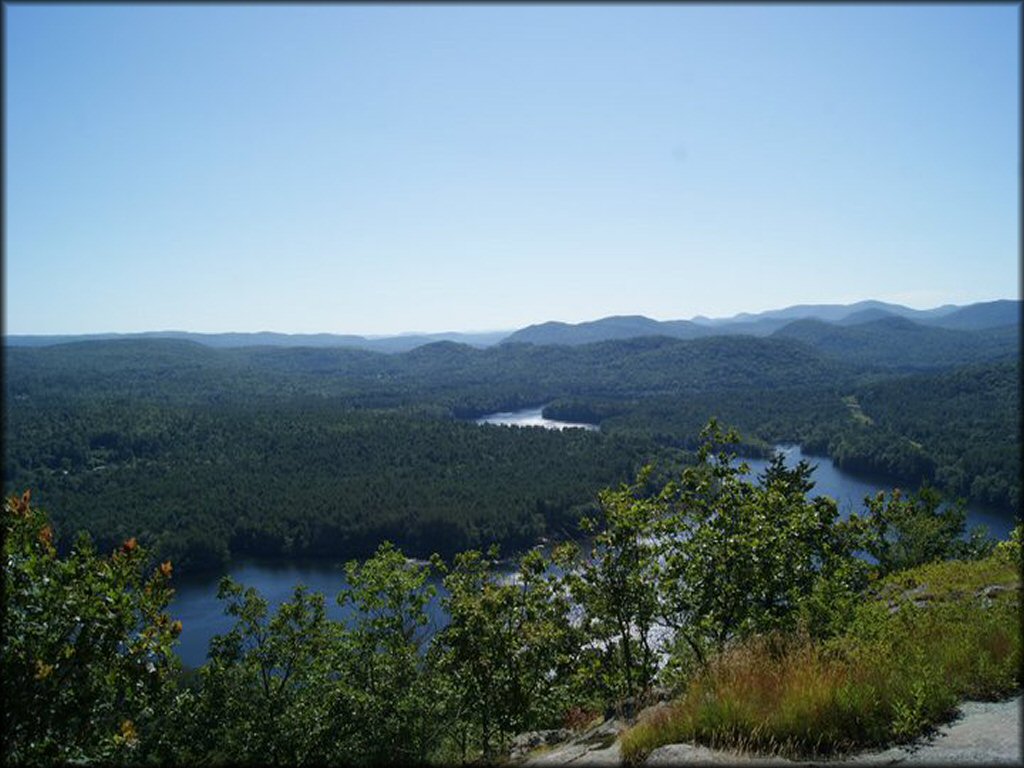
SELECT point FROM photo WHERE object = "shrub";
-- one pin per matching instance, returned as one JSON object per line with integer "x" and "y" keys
{"x": 1010, "y": 551}
{"x": 895, "y": 671}
{"x": 87, "y": 657}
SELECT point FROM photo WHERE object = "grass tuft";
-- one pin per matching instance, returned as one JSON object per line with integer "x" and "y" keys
{"x": 891, "y": 676}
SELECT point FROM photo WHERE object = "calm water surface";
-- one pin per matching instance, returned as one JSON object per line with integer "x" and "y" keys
{"x": 532, "y": 417}
{"x": 850, "y": 489}
{"x": 202, "y": 615}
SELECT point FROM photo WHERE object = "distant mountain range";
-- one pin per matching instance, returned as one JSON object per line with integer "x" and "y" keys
{"x": 826, "y": 330}
{"x": 990, "y": 314}
{"x": 834, "y": 313}
{"x": 400, "y": 343}
{"x": 893, "y": 341}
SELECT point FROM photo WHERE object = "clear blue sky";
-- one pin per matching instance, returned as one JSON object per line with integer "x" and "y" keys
{"x": 357, "y": 169}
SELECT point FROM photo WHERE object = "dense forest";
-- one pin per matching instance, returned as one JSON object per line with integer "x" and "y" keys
{"x": 203, "y": 452}
{"x": 957, "y": 429}
{"x": 314, "y": 477}
{"x": 747, "y": 602}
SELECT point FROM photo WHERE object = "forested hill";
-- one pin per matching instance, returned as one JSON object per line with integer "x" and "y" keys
{"x": 986, "y": 314}
{"x": 803, "y": 352}
{"x": 451, "y": 374}
{"x": 206, "y": 452}
{"x": 896, "y": 342}
{"x": 619, "y": 327}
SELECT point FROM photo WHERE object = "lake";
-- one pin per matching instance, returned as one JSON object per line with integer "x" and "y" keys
{"x": 531, "y": 417}
{"x": 849, "y": 489}
{"x": 202, "y": 615}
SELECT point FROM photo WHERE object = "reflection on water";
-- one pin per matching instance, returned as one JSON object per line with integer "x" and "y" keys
{"x": 531, "y": 417}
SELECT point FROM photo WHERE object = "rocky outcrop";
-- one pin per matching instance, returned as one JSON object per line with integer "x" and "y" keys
{"x": 598, "y": 745}
{"x": 984, "y": 733}
{"x": 528, "y": 742}
{"x": 921, "y": 596}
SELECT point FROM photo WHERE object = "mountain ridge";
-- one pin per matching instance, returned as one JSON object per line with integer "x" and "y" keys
{"x": 976, "y": 316}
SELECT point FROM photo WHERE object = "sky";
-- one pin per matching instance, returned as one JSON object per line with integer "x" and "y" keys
{"x": 398, "y": 168}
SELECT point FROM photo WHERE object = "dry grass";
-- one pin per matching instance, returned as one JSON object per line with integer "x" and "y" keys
{"x": 890, "y": 677}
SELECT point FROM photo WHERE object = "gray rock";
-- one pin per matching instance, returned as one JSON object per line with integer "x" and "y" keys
{"x": 986, "y": 733}
{"x": 525, "y": 743}
{"x": 674, "y": 754}
{"x": 595, "y": 746}
{"x": 989, "y": 593}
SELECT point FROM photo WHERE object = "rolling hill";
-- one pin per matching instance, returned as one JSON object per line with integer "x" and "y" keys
{"x": 896, "y": 342}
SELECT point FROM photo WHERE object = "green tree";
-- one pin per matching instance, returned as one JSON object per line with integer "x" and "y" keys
{"x": 299, "y": 688}
{"x": 901, "y": 532}
{"x": 267, "y": 691}
{"x": 742, "y": 557}
{"x": 87, "y": 665}
{"x": 616, "y": 586}
{"x": 508, "y": 651}
{"x": 390, "y": 686}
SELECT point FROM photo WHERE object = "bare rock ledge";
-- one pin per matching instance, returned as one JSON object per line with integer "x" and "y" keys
{"x": 984, "y": 733}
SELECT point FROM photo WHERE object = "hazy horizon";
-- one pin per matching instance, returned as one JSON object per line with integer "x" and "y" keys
{"x": 472, "y": 331}
{"x": 434, "y": 169}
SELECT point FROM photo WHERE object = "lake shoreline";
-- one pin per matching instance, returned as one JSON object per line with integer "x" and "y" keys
{"x": 276, "y": 575}
{"x": 531, "y": 417}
